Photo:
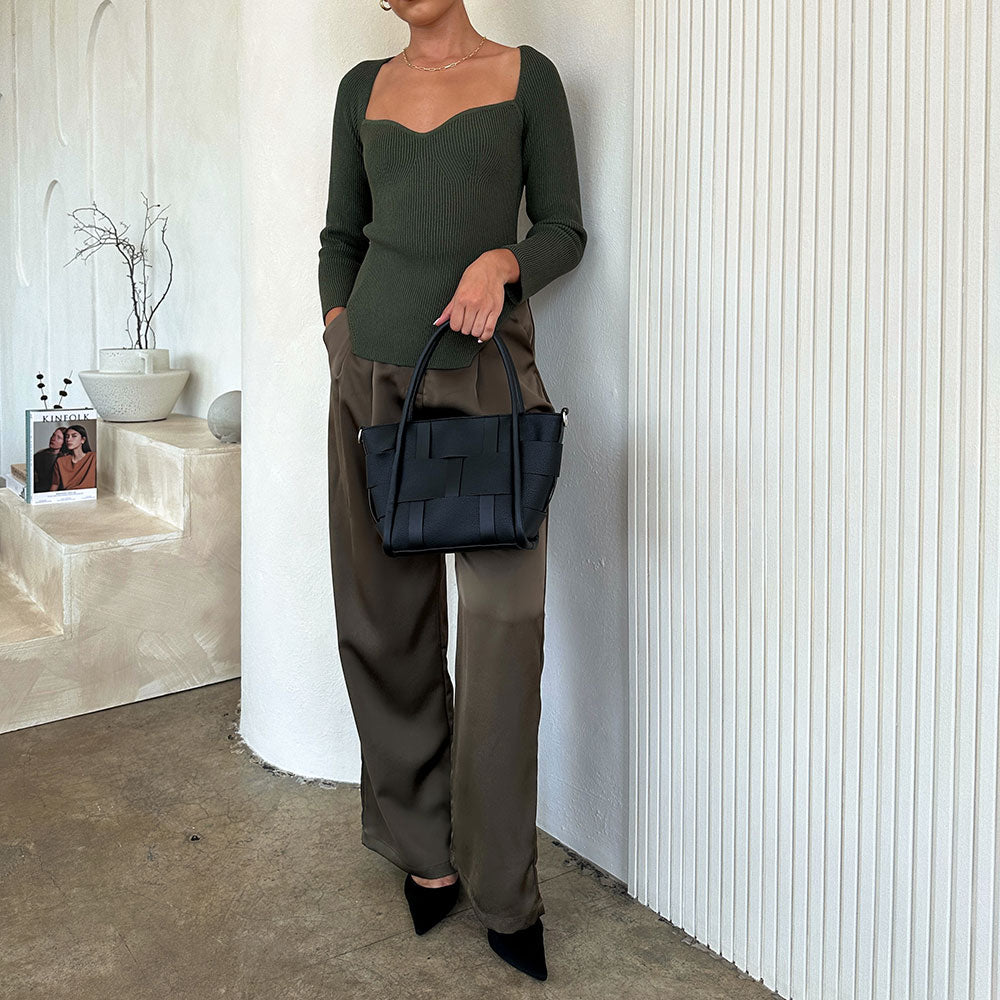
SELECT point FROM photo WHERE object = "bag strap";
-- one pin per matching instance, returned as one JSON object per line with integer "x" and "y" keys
{"x": 516, "y": 409}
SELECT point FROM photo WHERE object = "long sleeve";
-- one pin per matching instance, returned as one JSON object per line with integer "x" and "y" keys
{"x": 556, "y": 240}
{"x": 343, "y": 244}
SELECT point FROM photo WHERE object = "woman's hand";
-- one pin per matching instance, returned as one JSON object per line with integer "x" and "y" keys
{"x": 334, "y": 313}
{"x": 478, "y": 300}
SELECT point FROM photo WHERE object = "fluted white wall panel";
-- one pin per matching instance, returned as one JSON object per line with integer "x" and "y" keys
{"x": 815, "y": 490}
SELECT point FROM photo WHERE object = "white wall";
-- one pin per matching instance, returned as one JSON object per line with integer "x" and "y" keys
{"x": 104, "y": 102}
{"x": 295, "y": 710}
{"x": 816, "y": 490}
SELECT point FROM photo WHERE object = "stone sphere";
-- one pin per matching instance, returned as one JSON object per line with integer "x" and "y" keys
{"x": 224, "y": 417}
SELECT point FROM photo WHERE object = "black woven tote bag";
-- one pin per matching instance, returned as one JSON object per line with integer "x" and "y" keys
{"x": 453, "y": 483}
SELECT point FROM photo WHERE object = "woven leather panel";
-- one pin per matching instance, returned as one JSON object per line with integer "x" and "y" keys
{"x": 451, "y": 490}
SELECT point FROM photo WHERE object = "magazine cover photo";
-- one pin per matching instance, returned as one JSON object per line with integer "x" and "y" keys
{"x": 62, "y": 455}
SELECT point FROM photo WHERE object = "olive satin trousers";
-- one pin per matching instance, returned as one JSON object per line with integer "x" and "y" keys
{"x": 448, "y": 774}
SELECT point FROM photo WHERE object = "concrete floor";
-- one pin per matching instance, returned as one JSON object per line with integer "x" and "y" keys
{"x": 146, "y": 853}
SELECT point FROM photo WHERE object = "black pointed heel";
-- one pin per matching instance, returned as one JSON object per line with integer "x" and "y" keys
{"x": 428, "y": 906}
{"x": 523, "y": 949}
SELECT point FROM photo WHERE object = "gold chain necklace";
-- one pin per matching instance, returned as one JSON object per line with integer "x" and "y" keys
{"x": 449, "y": 66}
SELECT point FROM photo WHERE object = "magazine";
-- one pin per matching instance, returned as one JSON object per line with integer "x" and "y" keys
{"x": 62, "y": 455}
{"x": 15, "y": 480}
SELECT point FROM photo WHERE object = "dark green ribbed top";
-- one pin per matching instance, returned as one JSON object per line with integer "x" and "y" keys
{"x": 408, "y": 211}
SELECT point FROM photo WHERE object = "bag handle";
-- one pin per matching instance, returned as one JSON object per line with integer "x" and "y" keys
{"x": 516, "y": 409}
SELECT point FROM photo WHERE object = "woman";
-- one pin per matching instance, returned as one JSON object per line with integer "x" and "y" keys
{"x": 45, "y": 460}
{"x": 77, "y": 468}
{"x": 431, "y": 151}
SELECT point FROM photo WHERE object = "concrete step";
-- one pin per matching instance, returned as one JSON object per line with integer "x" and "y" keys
{"x": 21, "y": 619}
{"x": 130, "y": 595}
{"x": 37, "y": 540}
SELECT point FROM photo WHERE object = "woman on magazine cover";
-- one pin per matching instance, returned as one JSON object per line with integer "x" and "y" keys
{"x": 431, "y": 150}
{"x": 45, "y": 460}
{"x": 77, "y": 468}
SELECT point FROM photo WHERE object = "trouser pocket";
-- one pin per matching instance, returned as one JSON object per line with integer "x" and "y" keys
{"x": 337, "y": 338}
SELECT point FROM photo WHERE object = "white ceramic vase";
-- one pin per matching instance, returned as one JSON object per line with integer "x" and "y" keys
{"x": 134, "y": 384}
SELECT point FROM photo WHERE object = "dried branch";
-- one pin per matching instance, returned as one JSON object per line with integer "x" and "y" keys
{"x": 102, "y": 232}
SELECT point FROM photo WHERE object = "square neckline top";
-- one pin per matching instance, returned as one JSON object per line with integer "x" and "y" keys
{"x": 408, "y": 210}
{"x": 365, "y": 120}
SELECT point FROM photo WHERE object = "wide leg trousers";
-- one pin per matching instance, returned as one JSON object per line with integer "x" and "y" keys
{"x": 448, "y": 776}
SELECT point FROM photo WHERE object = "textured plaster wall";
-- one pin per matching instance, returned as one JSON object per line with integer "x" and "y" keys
{"x": 103, "y": 102}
